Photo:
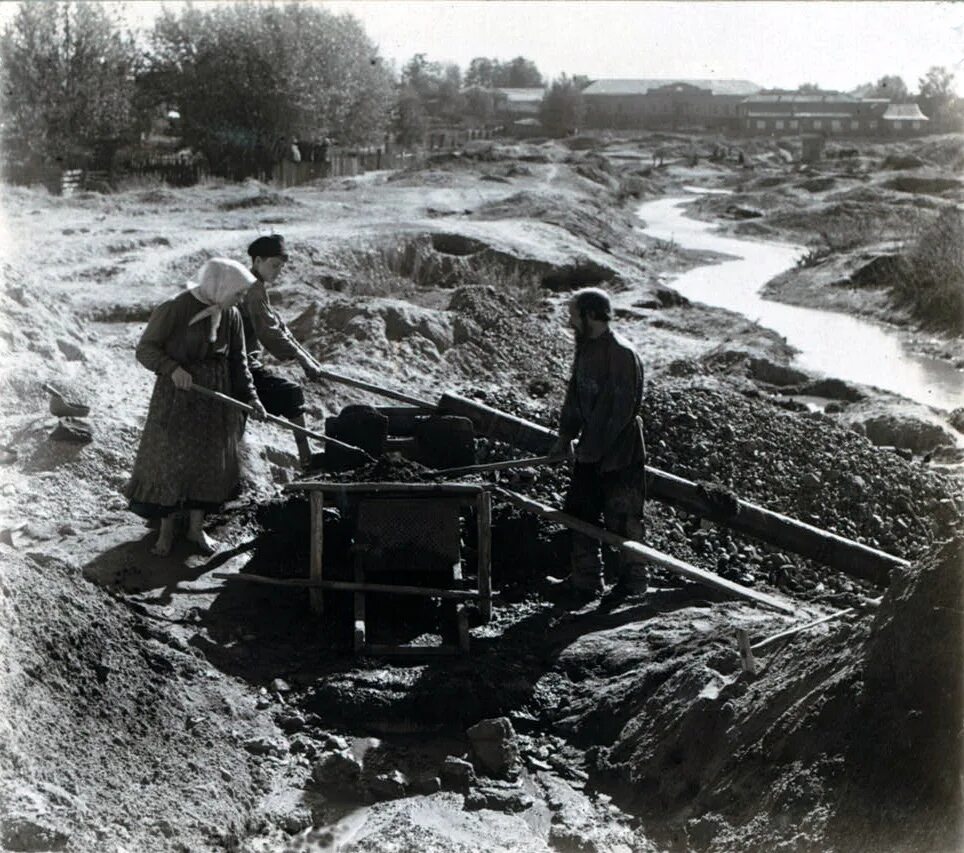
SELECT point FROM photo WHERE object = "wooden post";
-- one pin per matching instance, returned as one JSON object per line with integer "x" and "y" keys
{"x": 317, "y": 504}
{"x": 484, "y": 536}
{"x": 650, "y": 555}
{"x": 463, "y": 628}
{"x": 746, "y": 652}
{"x": 360, "y": 634}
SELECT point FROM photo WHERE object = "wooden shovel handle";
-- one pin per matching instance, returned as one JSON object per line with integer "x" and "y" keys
{"x": 244, "y": 407}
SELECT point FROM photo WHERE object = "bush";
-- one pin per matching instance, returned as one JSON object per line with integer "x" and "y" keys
{"x": 930, "y": 276}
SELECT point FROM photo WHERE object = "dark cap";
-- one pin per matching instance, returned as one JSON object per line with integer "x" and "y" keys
{"x": 269, "y": 246}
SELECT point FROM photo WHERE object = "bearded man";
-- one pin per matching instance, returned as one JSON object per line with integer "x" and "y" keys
{"x": 601, "y": 411}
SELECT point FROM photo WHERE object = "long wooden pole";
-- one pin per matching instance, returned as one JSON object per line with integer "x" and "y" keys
{"x": 846, "y": 555}
{"x": 244, "y": 407}
{"x": 324, "y": 373}
{"x": 650, "y": 555}
{"x": 353, "y": 586}
{"x": 530, "y": 461}
{"x": 853, "y": 558}
{"x": 789, "y": 632}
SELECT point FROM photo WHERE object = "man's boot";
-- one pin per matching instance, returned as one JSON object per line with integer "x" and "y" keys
{"x": 633, "y": 580}
{"x": 586, "y": 575}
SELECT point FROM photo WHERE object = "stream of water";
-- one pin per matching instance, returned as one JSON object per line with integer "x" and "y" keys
{"x": 828, "y": 342}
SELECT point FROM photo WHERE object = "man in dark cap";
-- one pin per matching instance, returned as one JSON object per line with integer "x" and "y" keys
{"x": 601, "y": 408}
{"x": 265, "y": 330}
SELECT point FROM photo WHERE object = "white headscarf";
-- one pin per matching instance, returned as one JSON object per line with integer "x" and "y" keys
{"x": 219, "y": 282}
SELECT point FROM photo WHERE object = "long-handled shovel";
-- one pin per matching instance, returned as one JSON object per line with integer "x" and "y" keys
{"x": 323, "y": 373}
{"x": 244, "y": 407}
{"x": 528, "y": 462}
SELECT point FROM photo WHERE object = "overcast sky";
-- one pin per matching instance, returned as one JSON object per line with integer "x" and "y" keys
{"x": 835, "y": 44}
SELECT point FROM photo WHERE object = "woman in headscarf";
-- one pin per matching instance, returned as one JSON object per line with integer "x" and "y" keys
{"x": 188, "y": 455}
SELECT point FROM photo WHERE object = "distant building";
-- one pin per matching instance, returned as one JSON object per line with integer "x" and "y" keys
{"x": 665, "y": 103}
{"x": 904, "y": 119}
{"x": 514, "y": 104}
{"x": 831, "y": 113}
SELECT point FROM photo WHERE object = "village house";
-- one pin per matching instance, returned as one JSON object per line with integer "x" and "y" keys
{"x": 662, "y": 103}
{"x": 903, "y": 120}
{"x": 518, "y": 103}
{"x": 517, "y": 110}
{"x": 828, "y": 113}
{"x": 832, "y": 113}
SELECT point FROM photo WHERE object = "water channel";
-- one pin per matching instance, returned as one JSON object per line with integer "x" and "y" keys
{"x": 828, "y": 342}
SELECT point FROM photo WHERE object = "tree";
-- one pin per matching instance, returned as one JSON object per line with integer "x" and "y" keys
{"x": 491, "y": 73}
{"x": 562, "y": 108}
{"x": 68, "y": 82}
{"x": 481, "y": 72}
{"x": 438, "y": 87}
{"x": 479, "y": 103}
{"x": 937, "y": 99}
{"x": 809, "y": 89}
{"x": 410, "y": 120}
{"x": 246, "y": 76}
{"x": 890, "y": 86}
{"x": 520, "y": 73}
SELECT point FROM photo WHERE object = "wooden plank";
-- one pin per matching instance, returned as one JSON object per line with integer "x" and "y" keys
{"x": 650, "y": 555}
{"x": 382, "y": 488}
{"x": 484, "y": 538}
{"x": 351, "y": 586}
{"x": 316, "y": 558}
{"x": 846, "y": 555}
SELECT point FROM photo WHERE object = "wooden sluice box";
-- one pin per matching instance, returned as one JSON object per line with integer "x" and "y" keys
{"x": 405, "y": 530}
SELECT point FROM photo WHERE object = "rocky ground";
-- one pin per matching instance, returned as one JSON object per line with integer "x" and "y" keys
{"x": 150, "y": 704}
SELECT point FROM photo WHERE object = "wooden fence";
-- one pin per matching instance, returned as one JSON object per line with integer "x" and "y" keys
{"x": 341, "y": 164}
{"x": 180, "y": 171}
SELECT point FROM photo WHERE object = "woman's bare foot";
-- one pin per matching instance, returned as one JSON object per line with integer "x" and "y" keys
{"x": 205, "y": 544}
{"x": 165, "y": 539}
{"x": 196, "y": 534}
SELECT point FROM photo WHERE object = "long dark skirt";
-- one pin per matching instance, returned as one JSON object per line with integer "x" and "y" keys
{"x": 188, "y": 455}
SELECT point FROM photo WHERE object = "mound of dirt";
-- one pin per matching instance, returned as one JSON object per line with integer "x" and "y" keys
{"x": 108, "y": 731}
{"x": 590, "y": 219}
{"x": 913, "y": 697}
{"x": 932, "y": 185}
{"x": 802, "y": 465}
{"x": 38, "y": 334}
{"x": 263, "y": 198}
